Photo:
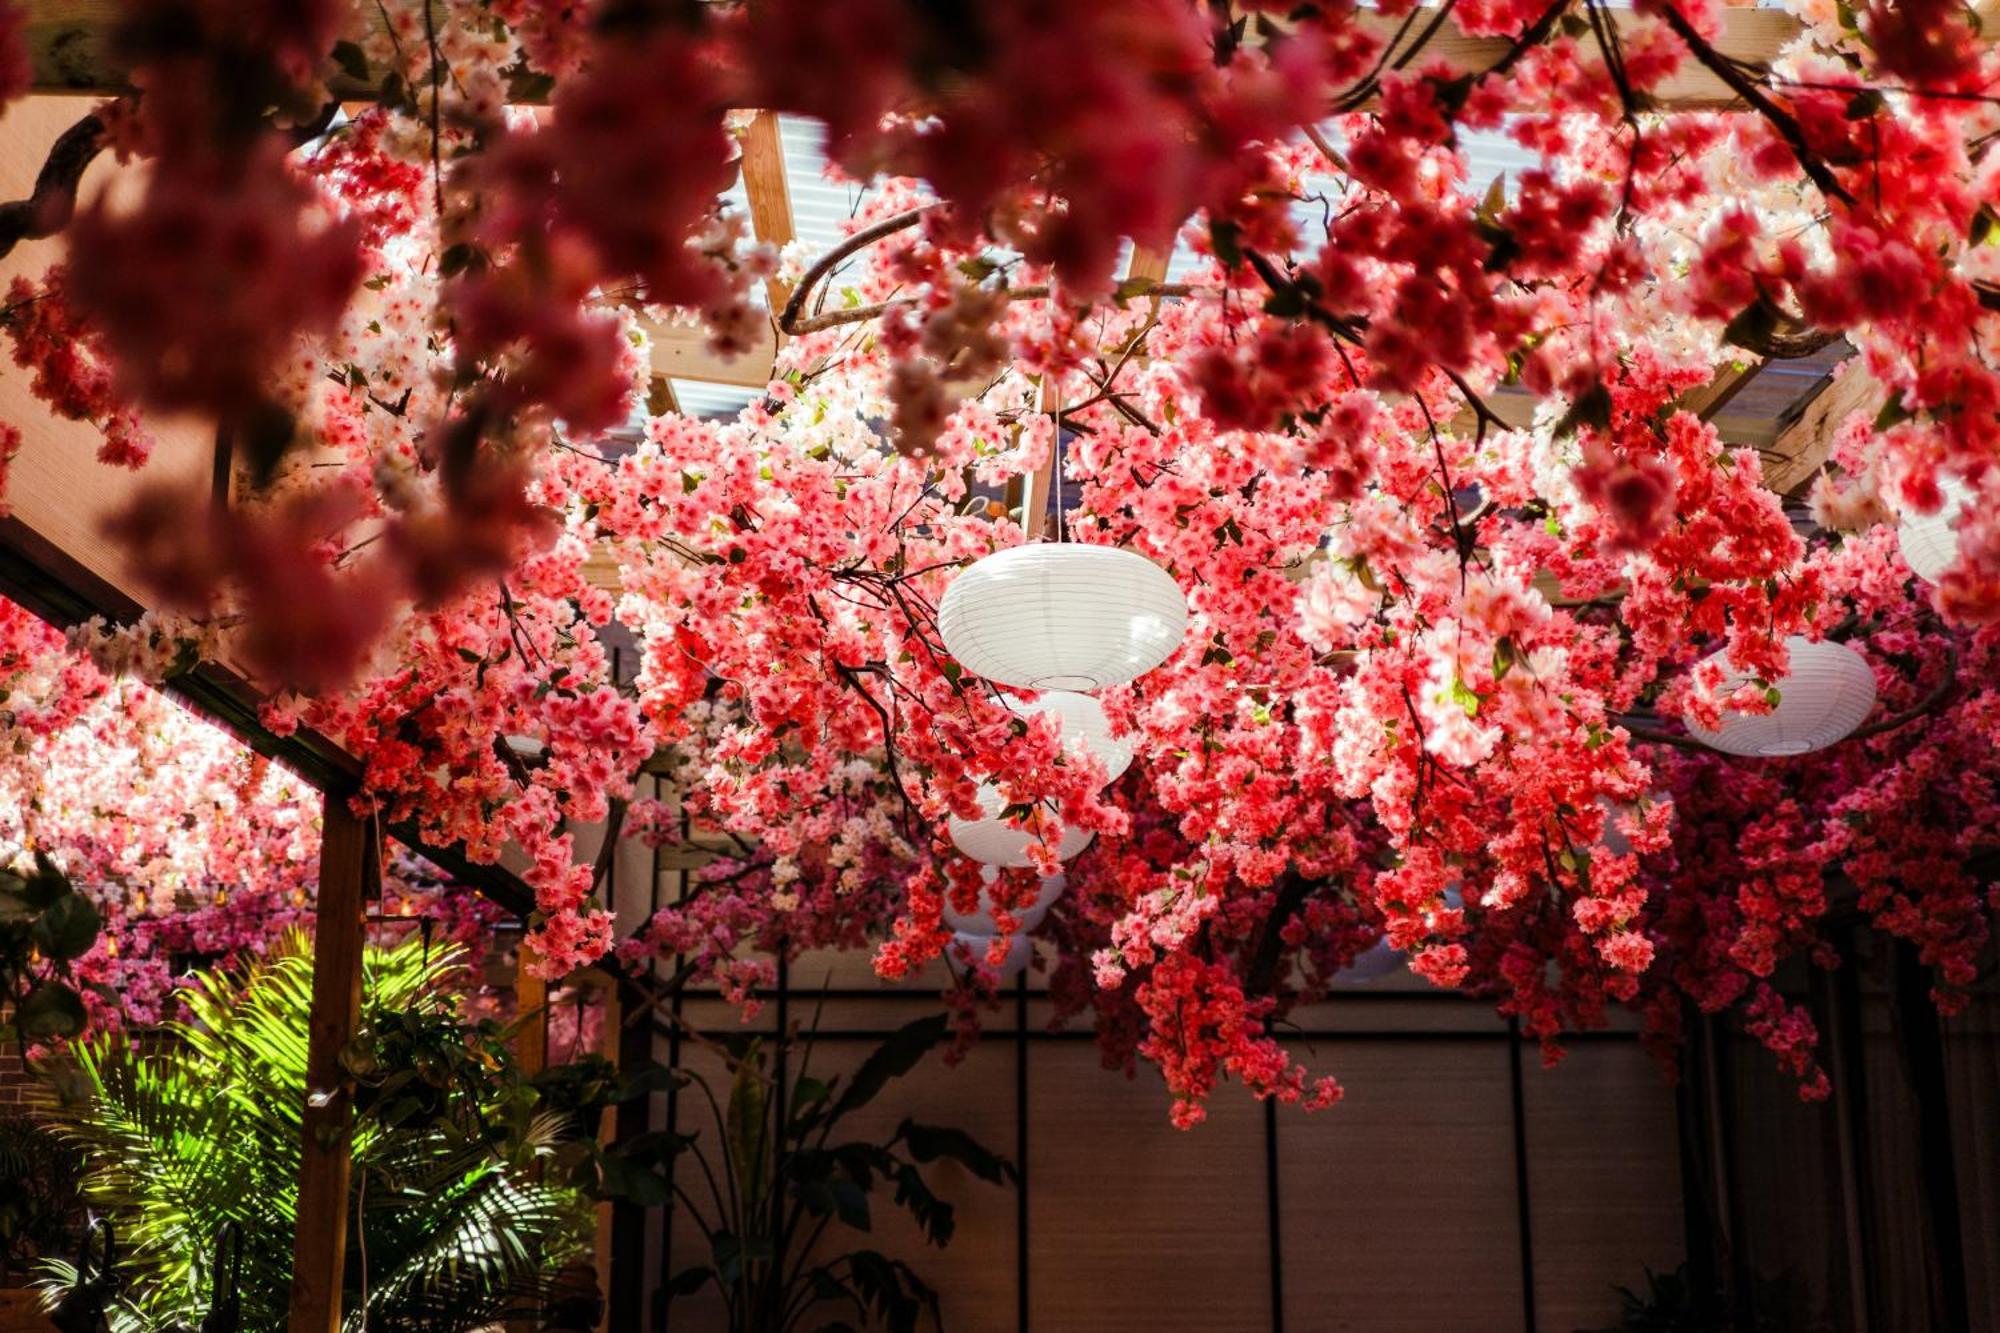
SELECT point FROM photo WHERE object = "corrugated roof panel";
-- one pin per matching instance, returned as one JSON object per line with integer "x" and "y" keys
{"x": 819, "y": 206}
{"x": 711, "y": 402}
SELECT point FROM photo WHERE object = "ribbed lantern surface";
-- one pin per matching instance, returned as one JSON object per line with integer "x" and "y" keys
{"x": 1062, "y": 616}
{"x": 995, "y": 842}
{"x": 1828, "y": 692}
{"x": 969, "y": 951}
{"x": 1084, "y": 727}
{"x": 1930, "y": 541}
{"x": 981, "y": 922}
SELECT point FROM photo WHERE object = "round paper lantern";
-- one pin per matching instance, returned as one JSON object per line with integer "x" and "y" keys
{"x": 1378, "y": 960}
{"x": 1381, "y": 958}
{"x": 1083, "y": 725}
{"x": 969, "y": 951}
{"x": 1062, "y": 616}
{"x": 1613, "y": 839}
{"x": 1827, "y": 693}
{"x": 1930, "y": 541}
{"x": 981, "y": 922}
{"x": 995, "y": 842}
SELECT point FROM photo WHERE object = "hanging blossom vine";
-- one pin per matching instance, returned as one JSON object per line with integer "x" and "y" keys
{"x": 193, "y": 849}
{"x": 1431, "y": 654}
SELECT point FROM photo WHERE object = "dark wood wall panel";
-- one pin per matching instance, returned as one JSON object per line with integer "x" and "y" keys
{"x": 1603, "y": 1180}
{"x": 1133, "y": 1224}
{"x": 1398, "y": 1207}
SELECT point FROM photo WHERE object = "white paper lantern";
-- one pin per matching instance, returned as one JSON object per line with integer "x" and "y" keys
{"x": 1613, "y": 839}
{"x": 1378, "y": 960}
{"x": 1062, "y": 616}
{"x": 982, "y": 922}
{"x": 995, "y": 842}
{"x": 1381, "y": 958}
{"x": 1930, "y": 541}
{"x": 1828, "y": 692}
{"x": 969, "y": 951}
{"x": 1083, "y": 725}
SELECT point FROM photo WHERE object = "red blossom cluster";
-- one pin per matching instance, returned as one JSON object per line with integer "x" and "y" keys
{"x": 1425, "y": 452}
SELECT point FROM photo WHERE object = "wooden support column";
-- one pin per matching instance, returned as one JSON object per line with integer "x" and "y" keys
{"x": 531, "y": 1003}
{"x": 349, "y": 871}
{"x": 610, "y": 1028}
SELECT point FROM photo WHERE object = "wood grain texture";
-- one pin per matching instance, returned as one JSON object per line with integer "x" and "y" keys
{"x": 349, "y": 873}
{"x": 1134, "y": 1225}
{"x": 1603, "y": 1179}
{"x": 1398, "y": 1205}
{"x": 770, "y": 195}
{"x": 1801, "y": 449}
{"x": 681, "y": 352}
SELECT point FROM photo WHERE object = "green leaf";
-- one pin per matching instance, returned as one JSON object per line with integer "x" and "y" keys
{"x": 891, "y": 1060}
{"x": 850, "y": 1203}
{"x": 353, "y": 63}
{"x": 927, "y": 1143}
{"x": 1503, "y": 657}
{"x": 745, "y": 1119}
{"x": 1981, "y": 228}
{"x": 67, "y": 928}
{"x": 50, "y": 1012}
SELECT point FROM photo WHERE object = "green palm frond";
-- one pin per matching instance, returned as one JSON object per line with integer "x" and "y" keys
{"x": 207, "y": 1131}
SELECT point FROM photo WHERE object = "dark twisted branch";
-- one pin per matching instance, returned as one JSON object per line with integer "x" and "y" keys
{"x": 792, "y": 324}
{"x": 49, "y": 209}
{"x": 1744, "y": 87}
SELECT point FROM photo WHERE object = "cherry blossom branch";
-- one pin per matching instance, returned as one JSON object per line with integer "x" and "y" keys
{"x": 791, "y": 325}
{"x": 1780, "y": 119}
{"x": 788, "y": 318}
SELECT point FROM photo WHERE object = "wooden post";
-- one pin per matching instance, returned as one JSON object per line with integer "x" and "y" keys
{"x": 349, "y": 868}
{"x": 609, "y": 1030}
{"x": 769, "y": 193}
{"x": 531, "y": 1003}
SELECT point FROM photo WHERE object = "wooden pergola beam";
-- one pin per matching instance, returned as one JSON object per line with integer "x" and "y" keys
{"x": 68, "y": 43}
{"x": 1709, "y": 400}
{"x": 1800, "y": 450}
{"x": 769, "y": 192}
{"x": 681, "y": 352}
